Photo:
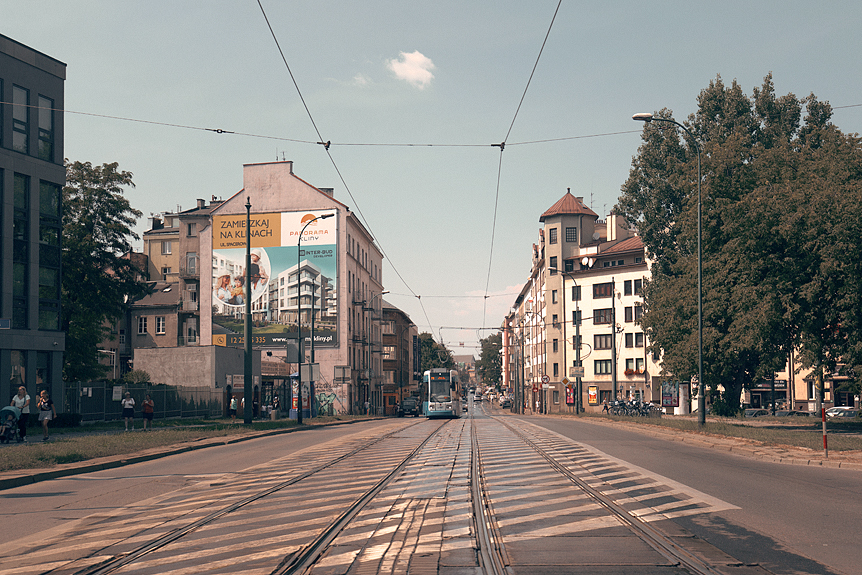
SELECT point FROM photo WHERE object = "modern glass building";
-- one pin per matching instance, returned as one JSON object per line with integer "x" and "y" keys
{"x": 32, "y": 176}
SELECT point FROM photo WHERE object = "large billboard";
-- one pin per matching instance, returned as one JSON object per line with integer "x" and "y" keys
{"x": 293, "y": 279}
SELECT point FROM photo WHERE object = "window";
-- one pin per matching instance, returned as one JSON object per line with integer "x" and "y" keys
{"x": 639, "y": 284}
{"x": 576, "y": 293}
{"x": 21, "y": 251}
{"x": 603, "y": 290}
{"x": 166, "y": 271}
{"x": 638, "y": 260}
{"x": 192, "y": 263}
{"x": 49, "y": 256}
{"x": 635, "y": 365}
{"x": 639, "y": 340}
{"x": 552, "y": 235}
{"x": 629, "y": 340}
{"x": 166, "y": 247}
{"x": 569, "y": 265}
{"x": 629, "y": 314}
{"x": 553, "y": 265}
{"x": 122, "y": 337}
{"x": 602, "y": 367}
{"x": 571, "y": 235}
{"x": 556, "y": 370}
{"x": 555, "y": 319}
{"x": 388, "y": 352}
{"x": 627, "y": 287}
{"x": 142, "y": 325}
{"x": 46, "y": 129}
{"x": 639, "y": 311}
{"x": 160, "y": 325}
{"x": 192, "y": 230}
{"x": 556, "y": 345}
{"x": 603, "y": 341}
{"x": 20, "y": 119}
{"x": 554, "y": 296}
{"x": 602, "y": 315}
{"x": 576, "y": 317}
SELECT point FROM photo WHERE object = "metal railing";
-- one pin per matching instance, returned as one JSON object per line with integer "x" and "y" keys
{"x": 95, "y": 400}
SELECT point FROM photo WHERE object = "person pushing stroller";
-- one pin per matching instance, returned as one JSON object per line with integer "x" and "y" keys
{"x": 9, "y": 417}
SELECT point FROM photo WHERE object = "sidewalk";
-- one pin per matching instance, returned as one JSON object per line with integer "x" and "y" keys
{"x": 745, "y": 447}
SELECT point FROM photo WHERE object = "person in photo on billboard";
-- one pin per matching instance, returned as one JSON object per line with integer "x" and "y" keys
{"x": 236, "y": 292}
{"x": 223, "y": 288}
{"x": 259, "y": 276}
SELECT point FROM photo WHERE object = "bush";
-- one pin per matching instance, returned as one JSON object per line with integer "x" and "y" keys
{"x": 67, "y": 420}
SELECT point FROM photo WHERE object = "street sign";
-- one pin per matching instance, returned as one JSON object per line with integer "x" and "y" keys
{"x": 565, "y": 381}
{"x": 546, "y": 386}
{"x": 576, "y": 371}
{"x": 546, "y": 379}
{"x": 535, "y": 387}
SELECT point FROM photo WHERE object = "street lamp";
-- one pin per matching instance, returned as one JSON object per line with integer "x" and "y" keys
{"x": 368, "y": 337}
{"x": 299, "y": 310}
{"x": 577, "y": 322}
{"x": 701, "y": 400}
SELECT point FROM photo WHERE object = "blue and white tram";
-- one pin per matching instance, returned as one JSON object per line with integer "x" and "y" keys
{"x": 442, "y": 393}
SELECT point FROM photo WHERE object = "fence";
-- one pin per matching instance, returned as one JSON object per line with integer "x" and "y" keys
{"x": 95, "y": 400}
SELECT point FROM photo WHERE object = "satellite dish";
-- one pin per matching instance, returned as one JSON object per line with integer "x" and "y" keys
{"x": 596, "y": 235}
{"x": 585, "y": 260}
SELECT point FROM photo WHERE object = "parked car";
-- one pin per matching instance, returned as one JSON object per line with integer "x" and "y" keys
{"x": 835, "y": 411}
{"x": 792, "y": 413}
{"x": 755, "y": 412}
{"x": 846, "y": 414}
{"x": 409, "y": 406}
{"x": 505, "y": 403}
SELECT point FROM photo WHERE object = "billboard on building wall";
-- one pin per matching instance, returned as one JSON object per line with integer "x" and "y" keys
{"x": 291, "y": 278}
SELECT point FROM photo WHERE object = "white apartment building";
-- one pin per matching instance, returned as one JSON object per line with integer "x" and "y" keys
{"x": 585, "y": 285}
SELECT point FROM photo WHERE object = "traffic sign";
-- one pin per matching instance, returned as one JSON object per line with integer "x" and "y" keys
{"x": 546, "y": 379}
{"x": 576, "y": 371}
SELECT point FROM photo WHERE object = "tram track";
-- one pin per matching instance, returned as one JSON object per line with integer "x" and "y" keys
{"x": 664, "y": 545}
{"x": 296, "y": 562}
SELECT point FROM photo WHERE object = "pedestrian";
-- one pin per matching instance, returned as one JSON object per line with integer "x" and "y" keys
{"x": 147, "y": 409}
{"x": 605, "y": 407}
{"x": 46, "y": 412}
{"x": 367, "y": 408}
{"x": 129, "y": 410}
{"x": 232, "y": 408}
{"x": 22, "y": 401}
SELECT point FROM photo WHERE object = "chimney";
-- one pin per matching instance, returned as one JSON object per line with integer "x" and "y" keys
{"x": 201, "y": 203}
{"x": 328, "y": 191}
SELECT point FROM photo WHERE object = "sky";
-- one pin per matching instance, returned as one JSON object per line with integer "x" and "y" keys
{"x": 413, "y": 96}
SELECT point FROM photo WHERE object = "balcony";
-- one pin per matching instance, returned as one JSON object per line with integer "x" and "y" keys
{"x": 188, "y": 341}
{"x": 188, "y": 305}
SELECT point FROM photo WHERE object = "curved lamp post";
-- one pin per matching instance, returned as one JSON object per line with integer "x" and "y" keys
{"x": 701, "y": 400}
{"x": 370, "y": 345}
{"x": 577, "y": 345}
{"x": 299, "y": 309}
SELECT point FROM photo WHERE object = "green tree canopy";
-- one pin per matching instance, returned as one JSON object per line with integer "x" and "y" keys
{"x": 98, "y": 275}
{"x": 433, "y": 354}
{"x": 778, "y": 228}
{"x": 489, "y": 366}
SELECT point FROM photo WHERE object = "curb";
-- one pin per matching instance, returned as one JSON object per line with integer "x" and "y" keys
{"x": 11, "y": 479}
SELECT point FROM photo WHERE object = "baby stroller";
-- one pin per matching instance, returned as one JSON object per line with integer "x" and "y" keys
{"x": 9, "y": 423}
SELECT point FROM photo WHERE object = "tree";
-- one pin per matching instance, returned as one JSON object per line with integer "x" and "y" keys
{"x": 433, "y": 354}
{"x": 97, "y": 278}
{"x": 137, "y": 376}
{"x": 777, "y": 197}
{"x": 489, "y": 366}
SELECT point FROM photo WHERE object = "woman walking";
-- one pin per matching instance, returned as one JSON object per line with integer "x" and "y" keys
{"x": 22, "y": 401}
{"x": 129, "y": 410}
{"x": 46, "y": 412}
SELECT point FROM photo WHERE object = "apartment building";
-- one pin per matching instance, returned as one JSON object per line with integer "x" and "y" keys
{"x": 578, "y": 310}
{"x": 400, "y": 364}
{"x": 32, "y": 176}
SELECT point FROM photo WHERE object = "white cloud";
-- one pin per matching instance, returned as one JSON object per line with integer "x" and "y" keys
{"x": 414, "y": 68}
{"x": 360, "y": 80}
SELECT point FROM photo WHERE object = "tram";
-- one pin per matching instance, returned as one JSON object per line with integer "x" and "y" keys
{"x": 442, "y": 393}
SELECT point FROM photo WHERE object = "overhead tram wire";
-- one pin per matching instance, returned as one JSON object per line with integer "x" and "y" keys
{"x": 502, "y": 146}
{"x": 326, "y": 145}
